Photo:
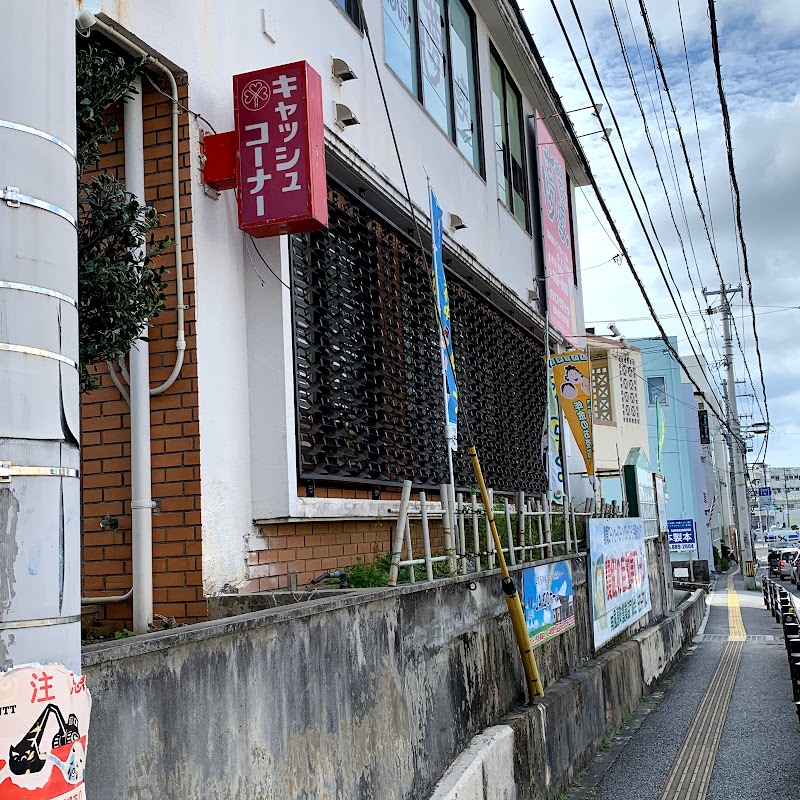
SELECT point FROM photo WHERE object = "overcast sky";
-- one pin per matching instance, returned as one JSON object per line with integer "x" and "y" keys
{"x": 761, "y": 69}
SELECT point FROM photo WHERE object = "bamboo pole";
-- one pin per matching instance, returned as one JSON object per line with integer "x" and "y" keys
{"x": 462, "y": 532}
{"x": 426, "y": 535}
{"x": 510, "y": 591}
{"x": 512, "y": 556}
{"x": 490, "y": 545}
{"x": 397, "y": 544}
{"x": 412, "y": 578}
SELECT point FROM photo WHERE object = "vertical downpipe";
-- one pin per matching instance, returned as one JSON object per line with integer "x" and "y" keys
{"x": 141, "y": 474}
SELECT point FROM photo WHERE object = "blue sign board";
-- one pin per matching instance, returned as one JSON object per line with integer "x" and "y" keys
{"x": 681, "y": 534}
{"x": 549, "y": 604}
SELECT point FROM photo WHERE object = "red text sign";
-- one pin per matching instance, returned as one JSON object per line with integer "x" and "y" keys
{"x": 280, "y": 159}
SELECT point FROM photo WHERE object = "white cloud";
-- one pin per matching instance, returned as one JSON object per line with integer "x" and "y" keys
{"x": 760, "y": 64}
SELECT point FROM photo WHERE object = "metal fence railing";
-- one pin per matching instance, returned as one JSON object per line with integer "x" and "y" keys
{"x": 528, "y": 529}
{"x": 785, "y": 607}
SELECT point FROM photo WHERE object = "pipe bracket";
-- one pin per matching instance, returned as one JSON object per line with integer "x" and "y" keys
{"x": 16, "y": 126}
{"x": 9, "y": 471}
{"x": 40, "y": 623}
{"x": 37, "y": 351}
{"x": 11, "y": 195}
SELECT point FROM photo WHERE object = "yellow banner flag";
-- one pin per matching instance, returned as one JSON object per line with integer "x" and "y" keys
{"x": 573, "y": 381}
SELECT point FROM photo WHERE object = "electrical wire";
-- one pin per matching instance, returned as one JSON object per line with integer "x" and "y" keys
{"x": 716, "y": 356}
{"x": 660, "y": 65}
{"x": 726, "y": 123}
{"x": 612, "y": 225}
{"x": 622, "y": 174}
{"x": 696, "y": 123}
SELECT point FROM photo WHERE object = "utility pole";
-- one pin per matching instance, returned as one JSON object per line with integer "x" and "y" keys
{"x": 39, "y": 388}
{"x": 745, "y": 545}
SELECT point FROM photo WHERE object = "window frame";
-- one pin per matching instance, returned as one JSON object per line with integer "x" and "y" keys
{"x": 507, "y": 170}
{"x": 418, "y": 88}
{"x": 352, "y": 10}
{"x": 665, "y": 401}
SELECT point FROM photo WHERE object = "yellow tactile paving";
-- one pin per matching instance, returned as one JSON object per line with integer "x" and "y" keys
{"x": 691, "y": 771}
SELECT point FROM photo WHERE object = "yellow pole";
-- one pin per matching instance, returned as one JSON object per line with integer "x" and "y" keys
{"x": 510, "y": 591}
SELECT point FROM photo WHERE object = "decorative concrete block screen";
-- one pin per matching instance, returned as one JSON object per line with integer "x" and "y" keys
{"x": 368, "y": 375}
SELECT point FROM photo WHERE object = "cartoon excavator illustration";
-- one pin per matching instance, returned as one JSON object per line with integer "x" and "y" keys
{"x": 25, "y": 757}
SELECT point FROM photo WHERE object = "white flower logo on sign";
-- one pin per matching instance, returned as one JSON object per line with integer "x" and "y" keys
{"x": 256, "y": 95}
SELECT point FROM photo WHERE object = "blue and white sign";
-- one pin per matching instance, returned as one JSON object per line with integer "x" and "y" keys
{"x": 681, "y": 534}
{"x": 764, "y": 497}
{"x": 549, "y": 604}
{"x": 445, "y": 332}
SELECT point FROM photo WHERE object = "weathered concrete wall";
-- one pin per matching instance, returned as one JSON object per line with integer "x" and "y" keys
{"x": 368, "y": 695}
{"x": 555, "y": 739}
{"x": 372, "y": 694}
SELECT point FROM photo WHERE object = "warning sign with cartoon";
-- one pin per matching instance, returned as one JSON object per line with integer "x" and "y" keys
{"x": 44, "y": 717}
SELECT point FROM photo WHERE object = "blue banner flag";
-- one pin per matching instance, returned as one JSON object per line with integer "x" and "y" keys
{"x": 443, "y": 311}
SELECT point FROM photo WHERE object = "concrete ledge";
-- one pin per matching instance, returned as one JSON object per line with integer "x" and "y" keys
{"x": 484, "y": 771}
{"x": 557, "y": 737}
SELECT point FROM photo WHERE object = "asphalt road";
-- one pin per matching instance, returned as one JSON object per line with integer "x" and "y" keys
{"x": 759, "y": 749}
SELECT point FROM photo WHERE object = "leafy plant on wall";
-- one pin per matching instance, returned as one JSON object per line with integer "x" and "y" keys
{"x": 118, "y": 286}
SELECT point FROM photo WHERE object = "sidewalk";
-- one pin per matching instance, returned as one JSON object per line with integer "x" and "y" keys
{"x": 751, "y": 750}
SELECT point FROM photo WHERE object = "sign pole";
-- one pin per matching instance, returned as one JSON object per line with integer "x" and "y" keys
{"x": 446, "y": 350}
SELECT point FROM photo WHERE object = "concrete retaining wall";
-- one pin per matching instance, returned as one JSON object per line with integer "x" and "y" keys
{"x": 556, "y": 738}
{"x": 372, "y": 694}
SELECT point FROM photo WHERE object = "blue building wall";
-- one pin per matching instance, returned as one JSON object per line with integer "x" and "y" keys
{"x": 681, "y": 464}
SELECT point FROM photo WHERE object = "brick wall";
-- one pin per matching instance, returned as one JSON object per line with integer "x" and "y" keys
{"x": 284, "y": 553}
{"x": 105, "y": 420}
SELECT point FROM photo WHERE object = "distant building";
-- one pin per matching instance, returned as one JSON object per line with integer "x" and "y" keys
{"x": 681, "y": 457}
{"x": 784, "y": 482}
{"x": 714, "y": 455}
{"x": 619, "y": 411}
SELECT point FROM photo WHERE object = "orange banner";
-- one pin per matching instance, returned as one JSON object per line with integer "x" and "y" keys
{"x": 572, "y": 376}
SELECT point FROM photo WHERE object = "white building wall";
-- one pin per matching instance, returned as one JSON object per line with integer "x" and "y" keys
{"x": 244, "y": 333}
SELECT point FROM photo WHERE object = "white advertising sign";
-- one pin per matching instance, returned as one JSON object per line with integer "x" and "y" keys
{"x": 618, "y": 569}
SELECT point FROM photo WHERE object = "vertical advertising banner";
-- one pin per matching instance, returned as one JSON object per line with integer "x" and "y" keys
{"x": 552, "y": 443}
{"x": 573, "y": 386}
{"x": 556, "y": 234}
{"x": 618, "y": 573}
{"x": 44, "y": 719}
{"x": 439, "y": 284}
{"x": 280, "y": 150}
{"x": 548, "y": 600}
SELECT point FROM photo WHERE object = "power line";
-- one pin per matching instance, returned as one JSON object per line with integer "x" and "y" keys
{"x": 696, "y": 123}
{"x": 632, "y": 79}
{"x": 630, "y": 166}
{"x": 625, "y": 253}
{"x": 662, "y": 72}
{"x": 726, "y": 123}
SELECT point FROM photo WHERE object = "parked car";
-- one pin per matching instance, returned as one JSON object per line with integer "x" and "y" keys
{"x": 773, "y": 559}
{"x": 787, "y": 557}
{"x": 795, "y": 576}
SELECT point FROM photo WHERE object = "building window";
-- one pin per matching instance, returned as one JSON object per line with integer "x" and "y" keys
{"x": 657, "y": 390}
{"x": 352, "y": 9}
{"x": 629, "y": 391}
{"x": 601, "y": 389}
{"x": 509, "y": 142}
{"x": 430, "y": 46}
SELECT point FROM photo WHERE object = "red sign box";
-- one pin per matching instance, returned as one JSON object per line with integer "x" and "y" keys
{"x": 280, "y": 150}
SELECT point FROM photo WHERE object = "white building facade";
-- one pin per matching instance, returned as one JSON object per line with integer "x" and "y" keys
{"x": 317, "y": 393}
